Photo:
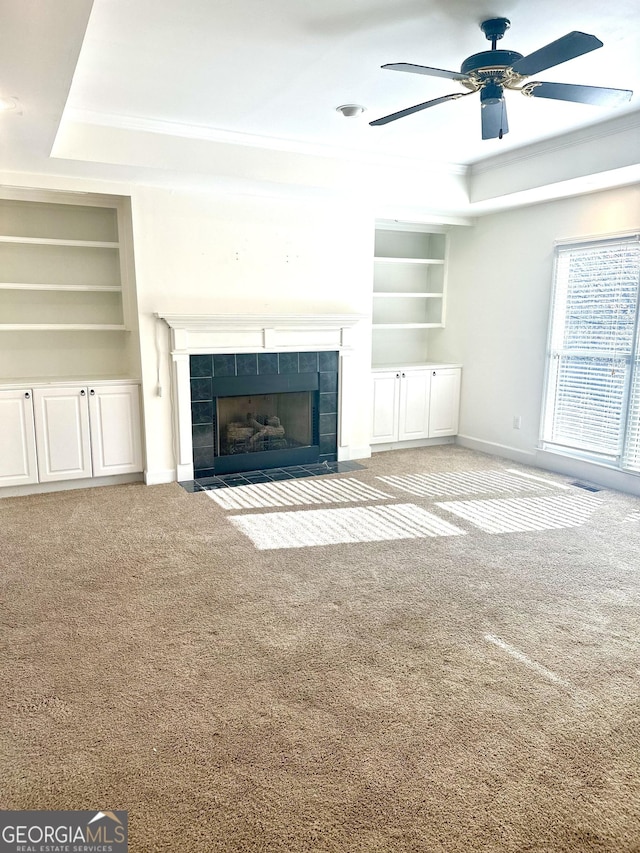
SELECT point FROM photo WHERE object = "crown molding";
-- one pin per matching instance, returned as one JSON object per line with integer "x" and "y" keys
{"x": 592, "y": 133}
{"x": 184, "y": 130}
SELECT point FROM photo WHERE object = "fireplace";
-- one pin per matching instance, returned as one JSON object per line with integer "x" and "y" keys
{"x": 254, "y": 411}
{"x": 212, "y": 348}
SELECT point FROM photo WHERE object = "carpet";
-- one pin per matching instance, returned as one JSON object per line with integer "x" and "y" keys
{"x": 476, "y": 691}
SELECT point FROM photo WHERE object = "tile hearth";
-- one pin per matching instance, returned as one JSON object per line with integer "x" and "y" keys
{"x": 225, "y": 481}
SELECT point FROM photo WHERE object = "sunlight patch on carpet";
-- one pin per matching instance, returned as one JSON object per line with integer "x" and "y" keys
{"x": 518, "y": 515}
{"x": 461, "y": 483}
{"x": 296, "y": 493}
{"x": 527, "y": 661}
{"x": 537, "y": 479}
{"x": 307, "y": 528}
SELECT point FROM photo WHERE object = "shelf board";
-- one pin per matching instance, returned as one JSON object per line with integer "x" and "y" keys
{"x": 47, "y": 241}
{"x": 61, "y": 327}
{"x": 27, "y": 382}
{"x": 7, "y": 285}
{"x": 407, "y": 325}
{"x": 380, "y": 260}
{"x": 390, "y": 294}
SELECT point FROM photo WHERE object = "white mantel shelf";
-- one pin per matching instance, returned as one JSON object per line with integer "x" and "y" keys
{"x": 217, "y": 333}
{"x": 194, "y": 334}
{"x": 252, "y": 321}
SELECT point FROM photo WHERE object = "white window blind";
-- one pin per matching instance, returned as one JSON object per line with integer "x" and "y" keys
{"x": 592, "y": 400}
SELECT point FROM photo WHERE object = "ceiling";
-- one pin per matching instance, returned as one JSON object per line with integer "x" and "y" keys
{"x": 247, "y": 90}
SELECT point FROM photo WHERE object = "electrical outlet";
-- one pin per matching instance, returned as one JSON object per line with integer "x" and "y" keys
{"x": 517, "y": 421}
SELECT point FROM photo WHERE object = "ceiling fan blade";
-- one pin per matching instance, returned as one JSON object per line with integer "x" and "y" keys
{"x": 494, "y": 120}
{"x": 568, "y": 47}
{"x": 423, "y": 69}
{"x": 410, "y": 110}
{"x": 581, "y": 94}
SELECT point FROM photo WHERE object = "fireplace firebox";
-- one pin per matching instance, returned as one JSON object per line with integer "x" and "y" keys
{"x": 254, "y": 411}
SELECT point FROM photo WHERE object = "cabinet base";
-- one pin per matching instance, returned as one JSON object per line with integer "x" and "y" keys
{"x": 404, "y": 445}
{"x": 65, "y": 485}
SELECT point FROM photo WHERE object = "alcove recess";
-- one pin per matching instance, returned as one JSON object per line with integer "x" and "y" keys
{"x": 409, "y": 291}
{"x": 67, "y": 293}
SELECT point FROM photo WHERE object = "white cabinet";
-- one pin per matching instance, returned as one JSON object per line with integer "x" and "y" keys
{"x": 114, "y": 417}
{"x": 400, "y": 405}
{"x": 415, "y": 391}
{"x": 386, "y": 407}
{"x": 415, "y": 403}
{"x": 69, "y": 432}
{"x": 62, "y": 433}
{"x": 445, "y": 401}
{"x": 18, "y": 465}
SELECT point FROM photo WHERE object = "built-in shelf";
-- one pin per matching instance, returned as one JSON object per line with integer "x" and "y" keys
{"x": 91, "y": 288}
{"x": 408, "y": 290}
{"x": 67, "y": 298}
{"x": 61, "y": 327}
{"x": 386, "y": 260}
{"x": 45, "y": 241}
{"x": 393, "y": 295}
{"x": 407, "y": 325}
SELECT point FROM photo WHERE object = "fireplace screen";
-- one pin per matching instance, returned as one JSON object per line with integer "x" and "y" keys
{"x": 264, "y": 422}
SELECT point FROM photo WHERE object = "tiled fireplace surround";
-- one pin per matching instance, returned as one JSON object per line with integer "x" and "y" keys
{"x": 319, "y": 368}
{"x": 240, "y": 345}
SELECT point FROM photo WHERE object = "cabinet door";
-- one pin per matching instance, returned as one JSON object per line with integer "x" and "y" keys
{"x": 414, "y": 405}
{"x": 18, "y": 446}
{"x": 115, "y": 429}
{"x": 62, "y": 433}
{"x": 385, "y": 407}
{"x": 445, "y": 402}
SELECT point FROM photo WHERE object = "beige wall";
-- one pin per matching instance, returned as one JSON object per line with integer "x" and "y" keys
{"x": 217, "y": 254}
{"x": 497, "y": 314}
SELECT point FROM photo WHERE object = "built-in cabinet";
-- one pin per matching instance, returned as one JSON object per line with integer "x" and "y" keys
{"x": 444, "y": 404}
{"x": 69, "y": 432}
{"x": 69, "y": 347}
{"x": 411, "y": 403}
{"x": 413, "y": 399}
{"x": 18, "y": 466}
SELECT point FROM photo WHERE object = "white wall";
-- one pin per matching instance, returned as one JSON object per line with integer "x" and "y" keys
{"x": 217, "y": 254}
{"x": 498, "y": 305}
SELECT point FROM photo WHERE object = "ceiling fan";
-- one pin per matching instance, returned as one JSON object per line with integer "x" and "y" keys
{"x": 493, "y": 71}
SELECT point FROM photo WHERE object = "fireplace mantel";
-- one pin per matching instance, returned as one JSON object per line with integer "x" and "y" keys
{"x": 204, "y": 333}
{"x": 194, "y": 334}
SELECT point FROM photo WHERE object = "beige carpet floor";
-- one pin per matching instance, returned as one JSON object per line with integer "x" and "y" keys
{"x": 453, "y": 665}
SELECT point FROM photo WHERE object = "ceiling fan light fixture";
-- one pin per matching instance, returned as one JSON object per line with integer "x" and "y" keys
{"x": 491, "y": 94}
{"x": 350, "y": 110}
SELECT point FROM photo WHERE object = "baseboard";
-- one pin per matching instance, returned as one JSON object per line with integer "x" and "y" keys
{"x": 346, "y": 454}
{"x": 418, "y": 442}
{"x": 67, "y": 485}
{"x": 525, "y": 457}
{"x": 558, "y": 463}
{"x": 590, "y": 472}
{"x": 159, "y": 478}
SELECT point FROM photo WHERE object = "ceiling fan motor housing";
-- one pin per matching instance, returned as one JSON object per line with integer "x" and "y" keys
{"x": 489, "y": 59}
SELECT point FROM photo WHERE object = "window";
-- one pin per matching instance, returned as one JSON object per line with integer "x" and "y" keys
{"x": 592, "y": 395}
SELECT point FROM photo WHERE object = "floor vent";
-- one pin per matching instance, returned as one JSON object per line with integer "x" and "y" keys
{"x": 586, "y": 486}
